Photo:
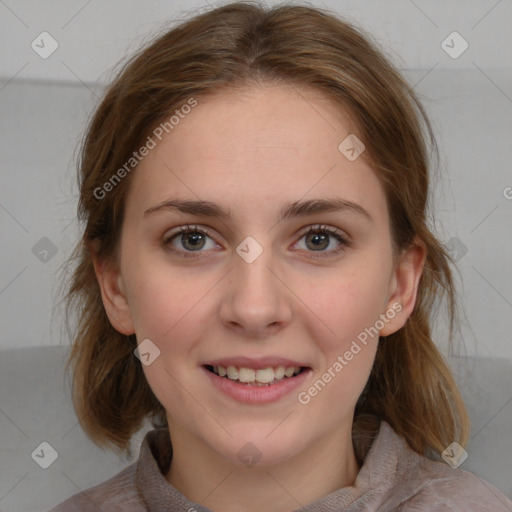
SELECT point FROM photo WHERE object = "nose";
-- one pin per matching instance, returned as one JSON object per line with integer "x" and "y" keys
{"x": 256, "y": 301}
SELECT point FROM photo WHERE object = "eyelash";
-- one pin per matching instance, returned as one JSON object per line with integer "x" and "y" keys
{"x": 317, "y": 229}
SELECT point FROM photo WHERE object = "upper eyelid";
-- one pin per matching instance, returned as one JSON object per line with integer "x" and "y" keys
{"x": 325, "y": 227}
{"x": 302, "y": 232}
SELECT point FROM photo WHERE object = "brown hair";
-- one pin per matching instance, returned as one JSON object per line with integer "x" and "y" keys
{"x": 236, "y": 45}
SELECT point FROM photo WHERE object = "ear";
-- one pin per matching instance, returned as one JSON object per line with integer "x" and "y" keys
{"x": 404, "y": 286}
{"x": 112, "y": 293}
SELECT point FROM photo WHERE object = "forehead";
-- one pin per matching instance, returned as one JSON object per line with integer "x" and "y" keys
{"x": 258, "y": 146}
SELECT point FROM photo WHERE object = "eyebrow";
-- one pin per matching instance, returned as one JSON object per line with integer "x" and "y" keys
{"x": 290, "y": 210}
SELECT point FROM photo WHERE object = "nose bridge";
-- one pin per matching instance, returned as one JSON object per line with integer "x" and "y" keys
{"x": 254, "y": 282}
{"x": 254, "y": 278}
{"x": 256, "y": 298}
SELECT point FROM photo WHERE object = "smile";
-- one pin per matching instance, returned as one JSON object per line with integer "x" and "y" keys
{"x": 255, "y": 377}
{"x": 256, "y": 381}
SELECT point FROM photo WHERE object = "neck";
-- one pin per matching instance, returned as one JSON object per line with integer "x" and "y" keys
{"x": 205, "y": 477}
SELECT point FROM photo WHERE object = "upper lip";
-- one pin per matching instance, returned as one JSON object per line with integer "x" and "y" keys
{"x": 256, "y": 363}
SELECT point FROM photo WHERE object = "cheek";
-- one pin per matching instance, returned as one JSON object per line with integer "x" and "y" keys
{"x": 346, "y": 306}
{"x": 166, "y": 304}
{"x": 344, "y": 326}
{"x": 347, "y": 348}
{"x": 171, "y": 310}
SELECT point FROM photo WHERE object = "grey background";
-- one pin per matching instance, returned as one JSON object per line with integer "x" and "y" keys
{"x": 44, "y": 104}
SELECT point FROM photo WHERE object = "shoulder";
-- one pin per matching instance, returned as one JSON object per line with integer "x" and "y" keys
{"x": 119, "y": 493}
{"x": 443, "y": 489}
{"x": 134, "y": 487}
{"x": 410, "y": 482}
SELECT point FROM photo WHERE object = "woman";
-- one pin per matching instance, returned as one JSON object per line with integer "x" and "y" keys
{"x": 257, "y": 276}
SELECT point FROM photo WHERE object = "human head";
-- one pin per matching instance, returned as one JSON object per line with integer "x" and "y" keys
{"x": 232, "y": 47}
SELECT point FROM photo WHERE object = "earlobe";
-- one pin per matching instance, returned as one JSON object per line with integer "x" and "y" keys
{"x": 113, "y": 294}
{"x": 404, "y": 287}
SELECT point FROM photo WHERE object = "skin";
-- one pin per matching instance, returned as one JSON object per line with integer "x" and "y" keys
{"x": 252, "y": 151}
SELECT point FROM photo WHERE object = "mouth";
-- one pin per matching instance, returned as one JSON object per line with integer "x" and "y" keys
{"x": 256, "y": 377}
{"x": 254, "y": 381}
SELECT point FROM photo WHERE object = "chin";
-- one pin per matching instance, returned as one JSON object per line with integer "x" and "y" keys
{"x": 255, "y": 447}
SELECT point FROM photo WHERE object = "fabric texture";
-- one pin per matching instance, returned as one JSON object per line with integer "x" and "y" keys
{"x": 393, "y": 478}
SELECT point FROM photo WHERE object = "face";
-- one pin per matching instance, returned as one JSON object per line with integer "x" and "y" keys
{"x": 279, "y": 280}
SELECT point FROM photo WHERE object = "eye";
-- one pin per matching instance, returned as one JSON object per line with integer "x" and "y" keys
{"x": 189, "y": 239}
{"x": 319, "y": 238}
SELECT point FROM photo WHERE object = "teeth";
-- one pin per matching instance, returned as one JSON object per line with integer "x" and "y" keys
{"x": 279, "y": 372}
{"x": 289, "y": 371}
{"x": 232, "y": 373}
{"x": 263, "y": 376}
{"x": 247, "y": 375}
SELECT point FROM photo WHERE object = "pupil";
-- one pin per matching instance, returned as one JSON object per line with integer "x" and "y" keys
{"x": 318, "y": 239}
{"x": 196, "y": 239}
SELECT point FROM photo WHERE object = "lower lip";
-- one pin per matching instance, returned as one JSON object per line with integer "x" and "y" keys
{"x": 256, "y": 394}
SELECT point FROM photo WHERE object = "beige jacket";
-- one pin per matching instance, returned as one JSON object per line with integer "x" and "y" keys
{"x": 393, "y": 478}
